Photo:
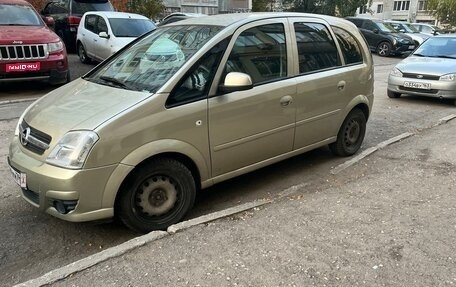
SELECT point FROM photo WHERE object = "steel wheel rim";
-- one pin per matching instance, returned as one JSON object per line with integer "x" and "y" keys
{"x": 156, "y": 196}
{"x": 352, "y": 133}
{"x": 82, "y": 53}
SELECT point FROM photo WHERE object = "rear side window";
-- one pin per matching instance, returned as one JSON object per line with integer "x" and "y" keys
{"x": 260, "y": 52}
{"x": 316, "y": 48}
{"x": 80, "y": 7}
{"x": 89, "y": 23}
{"x": 351, "y": 50}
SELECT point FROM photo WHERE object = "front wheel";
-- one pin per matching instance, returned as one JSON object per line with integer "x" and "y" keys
{"x": 82, "y": 54}
{"x": 392, "y": 94}
{"x": 158, "y": 195}
{"x": 351, "y": 134}
{"x": 384, "y": 49}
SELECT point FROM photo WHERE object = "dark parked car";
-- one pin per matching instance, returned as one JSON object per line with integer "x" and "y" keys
{"x": 382, "y": 38}
{"x": 68, "y": 13}
{"x": 29, "y": 50}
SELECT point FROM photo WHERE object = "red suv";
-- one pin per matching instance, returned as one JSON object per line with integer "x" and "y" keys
{"x": 29, "y": 50}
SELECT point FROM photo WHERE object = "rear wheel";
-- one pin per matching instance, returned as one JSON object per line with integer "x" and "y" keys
{"x": 351, "y": 134}
{"x": 82, "y": 54}
{"x": 384, "y": 49}
{"x": 158, "y": 195}
{"x": 392, "y": 94}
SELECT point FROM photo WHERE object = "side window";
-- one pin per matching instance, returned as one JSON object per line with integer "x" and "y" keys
{"x": 101, "y": 26}
{"x": 260, "y": 52}
{"x": 316, "y": 48}
{"x": 195, "y": 84}
{"x": 89, "y": 23}
{"x": 368, "y": 25}
{"x": 349, "y": 46}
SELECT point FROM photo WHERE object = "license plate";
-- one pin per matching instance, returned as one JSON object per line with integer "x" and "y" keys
{"x": 411, "y": 47}
{"x": 19, "y": 177}
{"x": 416, "y": 85}
{"x": 23, "y": 67}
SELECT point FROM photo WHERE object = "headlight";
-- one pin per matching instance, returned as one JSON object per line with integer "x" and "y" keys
{"x": 73, "y": 149}
{"x": 54, "y": 47}
{"x": 395, "y": 72}
{"x": 448, "y": 77}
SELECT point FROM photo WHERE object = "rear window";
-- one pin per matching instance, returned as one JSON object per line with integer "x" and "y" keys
{"x": 80, "y": 7}
{"x": 130, "y": 27}
{"x": 18, "y": 15}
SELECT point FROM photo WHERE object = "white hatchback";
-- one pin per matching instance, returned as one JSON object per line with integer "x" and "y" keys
{"x": 101, "y": 33}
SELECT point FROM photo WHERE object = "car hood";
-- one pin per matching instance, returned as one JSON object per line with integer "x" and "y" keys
{"x": 79, "y": 105}
{"x": 427, "y": 65}
{"x": 27, "y": 35}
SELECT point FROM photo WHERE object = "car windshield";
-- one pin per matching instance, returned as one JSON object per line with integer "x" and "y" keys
{"x": 19, "y": 15}
{"x": 127, "y": 27}
{"x": 444, "y": 47}
{"x": 152, "y": 61}
{"x": 411, "y": 28}
{"x": 385, "y": 27}
{"x": 402, "y": 27}
{"x": 80, "y": 7}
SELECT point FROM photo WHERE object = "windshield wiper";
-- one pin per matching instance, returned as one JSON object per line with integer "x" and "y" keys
{"x": 445, "y": 57}
{"x": 116, "y": 82}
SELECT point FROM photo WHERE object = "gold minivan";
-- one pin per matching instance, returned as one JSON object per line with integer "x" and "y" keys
{"x": 189, "y": 105}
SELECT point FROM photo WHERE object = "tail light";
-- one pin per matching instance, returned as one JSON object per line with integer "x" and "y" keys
{"x": 74, "y": 20}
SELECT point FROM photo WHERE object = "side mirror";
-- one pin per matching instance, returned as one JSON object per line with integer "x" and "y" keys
{"x": 236, "y": 81}
{"x": 103, "y": 35}
{"x": 50, "y": 22}
{"x": 375, "y": 31}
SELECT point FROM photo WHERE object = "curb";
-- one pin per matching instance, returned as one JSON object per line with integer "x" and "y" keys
{"x": 384, "y": 144}
{"x": 2, "y": 103}
{"x": 116, "y": 251}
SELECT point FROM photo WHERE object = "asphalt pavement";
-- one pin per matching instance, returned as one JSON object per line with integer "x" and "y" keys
{"x": 384, "y": 219}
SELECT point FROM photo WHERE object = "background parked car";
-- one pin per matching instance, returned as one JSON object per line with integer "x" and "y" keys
{"x": 429, "y": 71}
{"x": 427, "y": 29}
{"x": 409, "y": 30}
{"x": 101, "y": 34}
{"x": 174, "y": 17}
{"x": 382, "y": 38}
{"x": 29, "y": 50}
{"x": 67, "y": 15}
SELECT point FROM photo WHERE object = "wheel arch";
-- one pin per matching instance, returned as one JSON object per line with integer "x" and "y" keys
{"x": 140, "y": 157}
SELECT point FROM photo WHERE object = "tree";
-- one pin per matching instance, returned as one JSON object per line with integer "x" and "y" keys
{"x": 340, "y": 8}
{"x": 148, "y": 8}
{"x": 260, "y": 5}
{"x": 443, "y": 10}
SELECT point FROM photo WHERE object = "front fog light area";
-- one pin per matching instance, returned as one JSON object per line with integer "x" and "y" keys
{"x": 73, "y": 149}
{"x": 64, "y": 206}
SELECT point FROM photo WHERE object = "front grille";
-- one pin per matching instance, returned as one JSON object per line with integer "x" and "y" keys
{"x": 32, "y": 196}
{"x": 422, "y": 77}
{"x": 24, "y": 52}
{"x": 433, "y": 91}
{"x": 33, "y": 145}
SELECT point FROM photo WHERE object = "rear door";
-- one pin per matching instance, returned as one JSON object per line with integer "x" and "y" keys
{"x": 89, "y": 34}
{"x": 256, "y": 125}
{"x": 321, "y": 83}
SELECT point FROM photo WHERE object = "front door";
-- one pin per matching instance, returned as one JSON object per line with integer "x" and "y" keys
{"x": 248, "y": 127}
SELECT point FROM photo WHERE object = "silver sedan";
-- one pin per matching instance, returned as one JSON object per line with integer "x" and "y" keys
{"x": 429, "y": 71}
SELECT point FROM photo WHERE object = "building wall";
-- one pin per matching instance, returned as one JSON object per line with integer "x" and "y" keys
{"x": 400, "y": 10}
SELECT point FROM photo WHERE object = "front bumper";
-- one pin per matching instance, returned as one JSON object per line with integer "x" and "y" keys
{"x": 400, "y": 48}
{"x": 439, "y": 89}
{"x": 47, "y": 186}
{"x": 54, "y": 70}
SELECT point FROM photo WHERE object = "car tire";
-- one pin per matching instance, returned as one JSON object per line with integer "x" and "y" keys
{"x": 384, "y": 49}
{"x": 350, "y": 135}
{"x": 83, "y": 55}
{"x": 157, "y": 195}
{"x": 392, "y": 94}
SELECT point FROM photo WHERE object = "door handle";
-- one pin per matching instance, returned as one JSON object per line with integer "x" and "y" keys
{"x": 286, "y": 100}
{"x": 341, "y": 85}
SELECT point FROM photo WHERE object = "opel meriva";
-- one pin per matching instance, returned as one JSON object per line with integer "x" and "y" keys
{"x": 187, "y": 106}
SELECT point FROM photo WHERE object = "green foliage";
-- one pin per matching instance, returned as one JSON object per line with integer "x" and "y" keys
{"x": 148, "y": 8}
{"x": 443, "y": 10}
{"x": 340, "y": 8}
{"x": 261, "y": 5}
